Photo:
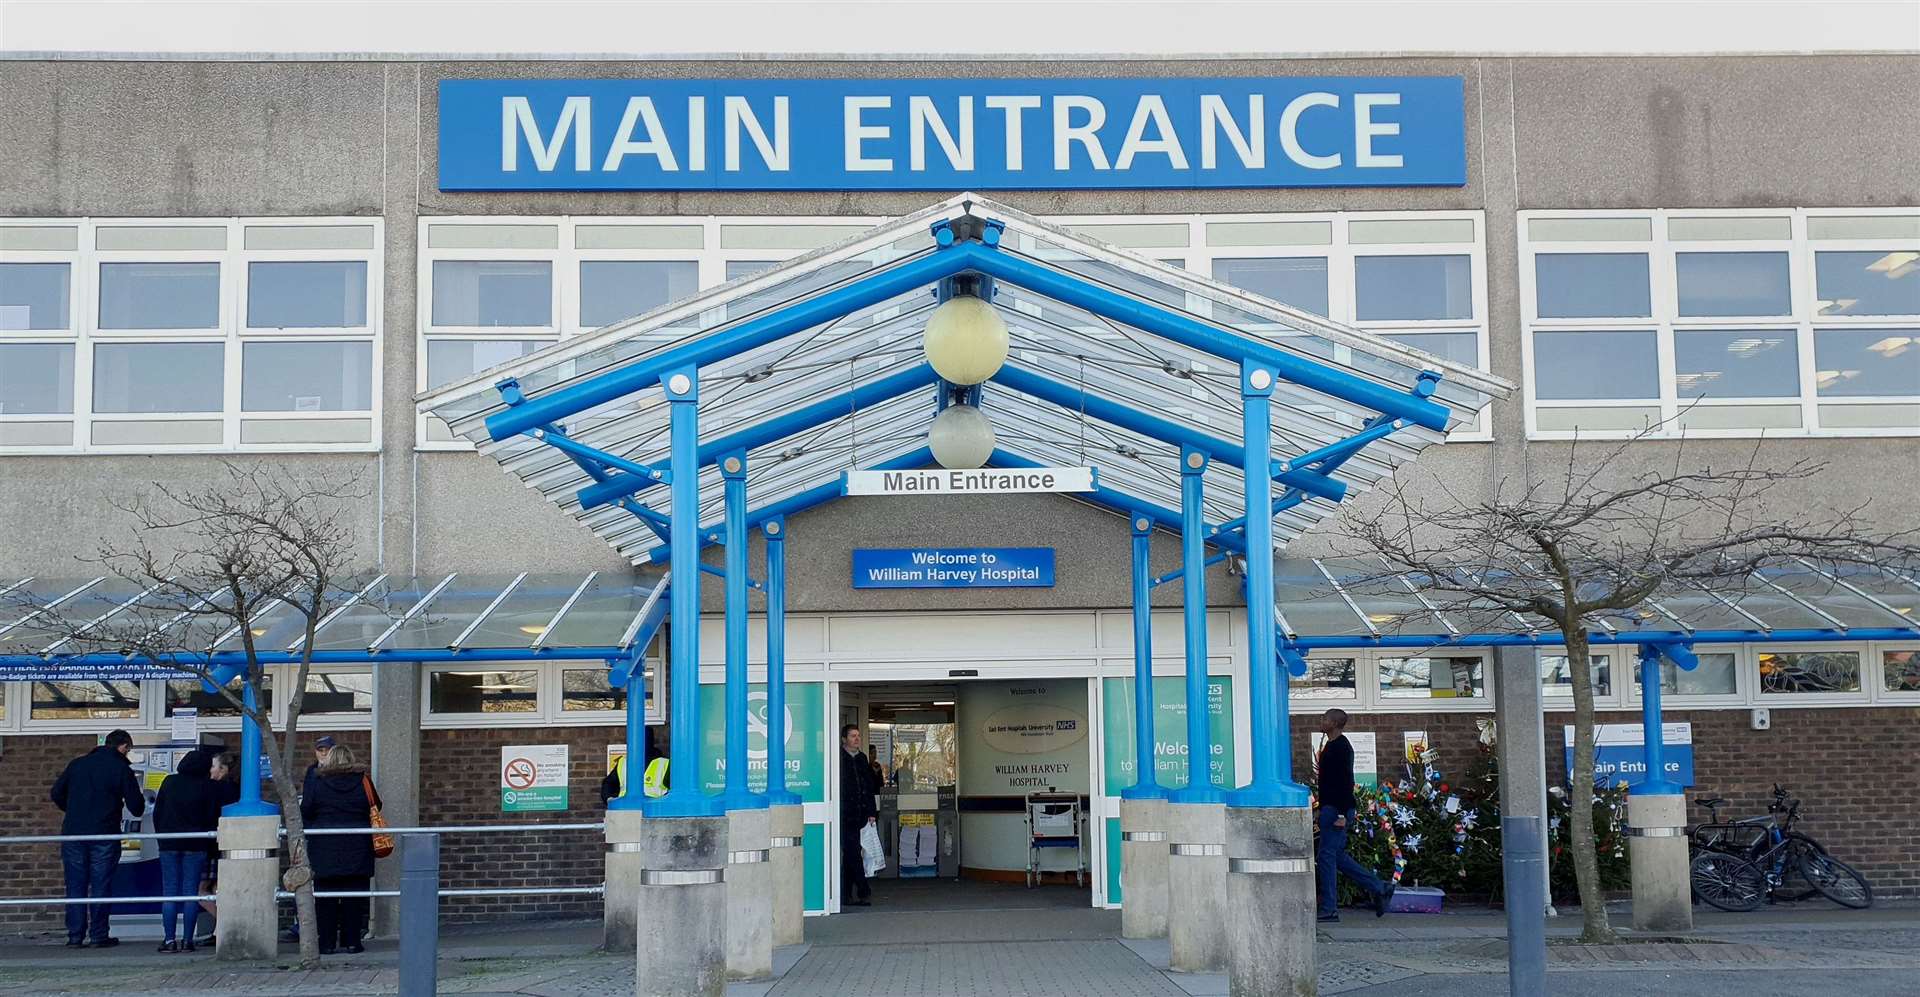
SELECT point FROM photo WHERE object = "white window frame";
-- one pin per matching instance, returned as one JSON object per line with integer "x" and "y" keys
{"x": 1617, "y": 698}
{"x": 1863, "y": 649}
{"x": 1881, "y": 694}
{"x": 547, "y": 698}
{"x": 1665, "y": 319}
{"x": 84, "y": 332}
{"x": 1367, "y": 698}
{"x": 18, "y": 719}
{"x": 712, "y": 260}
{"x": 1746, "y": 675}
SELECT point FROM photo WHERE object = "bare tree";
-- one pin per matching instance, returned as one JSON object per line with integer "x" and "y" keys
{"x": 1601, "y": 538}
{"x": 260, "y": 545}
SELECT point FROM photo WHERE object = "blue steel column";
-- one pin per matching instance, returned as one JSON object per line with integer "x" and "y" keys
{"x": 733, "y": 473}
{"x": 1652, "y": 731}
{"x": 249, "y": 804}
{"x": 632, "y": 788}
{"x": 777, "y": 793}
{"x": 684, "y": 799}
{"x": 1146, "y": 785}
{"x": 1193, "y": 584}
{"x": 1272, "y": 783}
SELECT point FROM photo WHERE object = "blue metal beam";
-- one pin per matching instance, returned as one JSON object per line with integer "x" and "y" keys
{"x": 237, "y": 660}
{"x": 736, "y": 795}
{"x": 1146, "y": 783}
{"x": 777, "y": 792}
{"x": 799, "y": 420}
{"x": 1174, "y": 575}
{"x": 1200, "y": 787}
{"x": 1118, "y": 501}
{"x": 1627, "y": 637}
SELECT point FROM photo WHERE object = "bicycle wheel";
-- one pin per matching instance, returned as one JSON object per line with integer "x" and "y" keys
{"x": 1836, "y": 880}
{"x": 1728, "y": 882}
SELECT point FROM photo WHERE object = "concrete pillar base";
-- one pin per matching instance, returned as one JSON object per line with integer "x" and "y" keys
{"x": 789, "y": 874}
{"x": 749, "y": 895}
{"x": 622, "y": 907}
{"x": 683, "y": 903}
{"x": 1197, "y": 887}
{"x": 1662, "y": 887}
{"x": 1270, "y": 891}
{"x": 1143, "y": 868}
{"x": 249, "y": 876}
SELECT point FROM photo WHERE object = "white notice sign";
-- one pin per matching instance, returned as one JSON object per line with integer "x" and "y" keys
{"x": 985, "y": 480}
{"x": 186, "y": 724}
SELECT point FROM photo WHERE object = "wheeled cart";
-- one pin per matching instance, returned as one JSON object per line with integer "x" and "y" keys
{"x": 1055, "y": 820}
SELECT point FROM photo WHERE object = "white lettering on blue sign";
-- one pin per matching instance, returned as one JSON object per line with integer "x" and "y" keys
{"x": 934, "y": 134}
{"x": 953, "y": 567}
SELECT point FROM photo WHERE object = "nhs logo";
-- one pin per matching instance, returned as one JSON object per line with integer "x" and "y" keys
{"x": 1030, "y": 134}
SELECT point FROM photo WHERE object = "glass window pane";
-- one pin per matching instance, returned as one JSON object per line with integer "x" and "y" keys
{"x": 1591, "y": 285}
{"x": 449, "y": 360}
{"x": 611, "y": 290}
{"x": 36, "y": 378}
{"x": 33, "y": 295}
{"x": 492, "y": 293}
{"x": 1760, "y": 363}
{"x": 1866, "y": 361}
{"x": 1460, "y": 347}
{"x": 483, "y": 692}
{"x": 159, "y": 295}
{"x": 1326, "y": 678}
{"x": 1901, "y": 670}
{"x": 1431, "y": 677}
{"x": 1715, "y": 676}
{"x": 1300, "y": 281}
{"x": 587, "y": 689}
{"x": 306, "y": 377}
{"x": 1596, "y": 365}
{"x": 1867, "y": 283}
{"x": 1733, "y": 284}
{"x": 1556, "y": 678}
{"x": 189, "y": 692}
{"x": 1794, "y": 672}
{"x": 307, "y": 295}
{"x": 158, "y": 377}
{"x": 1411, "y": 288}
{"x": 338, "y": 692}
{"x": 102, "y": 699}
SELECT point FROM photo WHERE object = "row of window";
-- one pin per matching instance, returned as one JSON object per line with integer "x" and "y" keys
{"x": 199, "y": 334}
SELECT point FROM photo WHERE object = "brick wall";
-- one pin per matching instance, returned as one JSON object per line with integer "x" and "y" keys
{"x": 28, "y": 766}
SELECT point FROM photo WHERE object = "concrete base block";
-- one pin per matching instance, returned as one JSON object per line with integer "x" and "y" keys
{"x": 1271, "y": 893}
{"x": 1143, "y": 868}
{"x": 789, "y": 875}
{"x": 749, "y": 895}
{"x": 1662, "y": 886}
{"x": 249, "y": 876}
{"x": 1197, "y": 887}
{"x": 622, "y": 907}
{"x": 683, "y": 903}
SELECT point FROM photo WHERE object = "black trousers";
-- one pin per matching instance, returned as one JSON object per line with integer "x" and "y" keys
{"x": 342, "y": 919}
{"x": 853, "y": 871}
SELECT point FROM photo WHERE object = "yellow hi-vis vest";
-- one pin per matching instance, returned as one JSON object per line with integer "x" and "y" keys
{"x": 653, "y": 780}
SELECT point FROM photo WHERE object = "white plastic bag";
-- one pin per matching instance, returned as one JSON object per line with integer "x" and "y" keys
{"x": 871, "y": 855}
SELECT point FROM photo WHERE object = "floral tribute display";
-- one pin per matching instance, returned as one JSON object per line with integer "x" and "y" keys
{"x": 1430, "y": 829}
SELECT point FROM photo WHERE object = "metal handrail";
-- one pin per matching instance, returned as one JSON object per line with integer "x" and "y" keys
{"x": 63, "y": 901}
{"x": 462, "y": 891}
{"x": 462, "y": 829}
{"x": 34, "y": 839}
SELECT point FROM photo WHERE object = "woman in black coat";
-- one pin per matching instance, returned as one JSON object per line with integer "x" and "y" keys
{"x": 189, "y": 800}
{"x": 340, "y": 795}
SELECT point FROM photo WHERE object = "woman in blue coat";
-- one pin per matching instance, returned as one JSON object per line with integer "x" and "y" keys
{"x": 340, "y": 795}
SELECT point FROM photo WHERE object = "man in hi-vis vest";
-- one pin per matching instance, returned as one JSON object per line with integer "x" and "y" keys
{"x": 653, "y": 780}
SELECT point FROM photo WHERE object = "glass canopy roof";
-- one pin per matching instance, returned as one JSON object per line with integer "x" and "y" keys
{"x": 1068, "y": 352}
{"x": 383, "y": 614}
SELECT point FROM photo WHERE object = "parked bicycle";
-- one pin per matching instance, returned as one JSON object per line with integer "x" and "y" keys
{"x": 1740, "y": 864}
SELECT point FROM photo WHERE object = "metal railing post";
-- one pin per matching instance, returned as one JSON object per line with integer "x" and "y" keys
{"x": 419, "y": 913}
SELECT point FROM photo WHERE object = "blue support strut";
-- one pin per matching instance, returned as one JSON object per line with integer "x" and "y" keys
{"x": 684, "y": 799}
{"x": 733, "y": 474}
{"x": 1146, "y": 785}
{"x": 1200, "y": 787}
{"x": 1652, "y": 730}
{"x": 632, "y": 790}
{"x": 250, "y": 804}
{"x": 777, "y": 792}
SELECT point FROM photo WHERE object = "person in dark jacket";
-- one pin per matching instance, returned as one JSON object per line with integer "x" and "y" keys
{"x": 189, "y": 800}
{"x": 614, "y": 784}
{"x": 1335, "y": 816}
{"x": 340, "y": 795}
{"x": 857, "y": 810}
{"x": 226, "y": 789}
{"x": 92, "y": 791}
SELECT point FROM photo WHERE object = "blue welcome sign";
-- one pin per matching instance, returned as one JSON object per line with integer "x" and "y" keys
{"x": 1620, "y": 753}
{"x": 953, "y": 567}
{"x": 981, "y": 134}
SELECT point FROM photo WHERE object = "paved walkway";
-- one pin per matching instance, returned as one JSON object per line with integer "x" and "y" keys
{"x": 1045, "y": 950}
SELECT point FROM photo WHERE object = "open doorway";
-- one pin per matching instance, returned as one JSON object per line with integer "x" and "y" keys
{"x": 984, "y": 786}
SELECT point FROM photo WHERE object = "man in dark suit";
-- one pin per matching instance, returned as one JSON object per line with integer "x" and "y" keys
{"x": 92, "y": 791}
{"x": 1335, "y": 817}
{"x": 857, "y": 810}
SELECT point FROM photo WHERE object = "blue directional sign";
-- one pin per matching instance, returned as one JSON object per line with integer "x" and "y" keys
{"x": 953, "y": 134}
{"x": 953, "y": 567}
{"x": 1620, "y": 754}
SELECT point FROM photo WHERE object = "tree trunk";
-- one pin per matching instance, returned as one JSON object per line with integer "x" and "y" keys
{"x": 1584, "y": 844}
{"x": 299, "y": 874}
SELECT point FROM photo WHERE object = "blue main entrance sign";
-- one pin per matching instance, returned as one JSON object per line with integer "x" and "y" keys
{"x": 953, "y": 567}
{"x": 1620, "y": 753}
{"x": 983, "y": 134}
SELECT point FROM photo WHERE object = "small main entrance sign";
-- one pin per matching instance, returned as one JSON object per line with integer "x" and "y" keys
{"x": 980, "y": 481}
{"x": 953, "y": 567}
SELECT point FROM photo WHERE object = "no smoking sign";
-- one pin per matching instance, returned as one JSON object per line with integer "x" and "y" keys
{"x": 533, "y": 778}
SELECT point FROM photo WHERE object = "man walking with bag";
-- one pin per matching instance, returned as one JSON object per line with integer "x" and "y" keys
{"x": 857, "y": 810}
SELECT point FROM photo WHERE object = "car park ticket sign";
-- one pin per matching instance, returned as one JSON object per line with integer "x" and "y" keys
{"x": 533, "y": 778}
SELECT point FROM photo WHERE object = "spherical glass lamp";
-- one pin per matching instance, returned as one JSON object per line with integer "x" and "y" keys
{"x": 961, "y": 438}
{"x": 966, "y": 340}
